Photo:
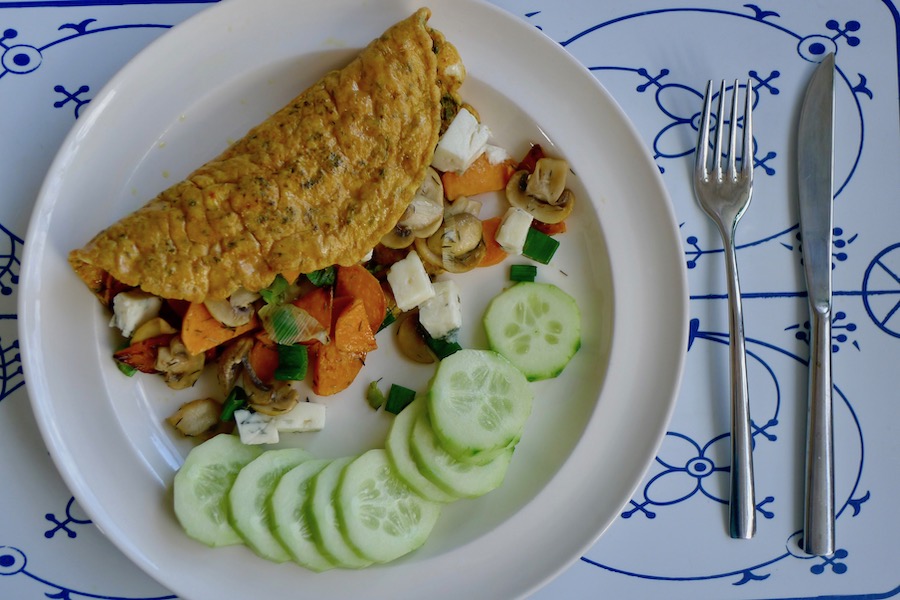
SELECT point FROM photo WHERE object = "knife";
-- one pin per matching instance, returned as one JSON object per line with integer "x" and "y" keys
{"x": 815, "y": 151}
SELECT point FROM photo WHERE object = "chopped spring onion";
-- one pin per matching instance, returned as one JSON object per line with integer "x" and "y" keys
{"x": 374, "y": 395}
{"x": 322, "y": 277}
{"x": 292, "y": 362}
{"x": 522, "y": 272}
{"x": 126, "y": 368}
{"x": 277, "y": 291}
{"x": 442, "y": 347}
{"x": 389, "y": 318}
{"x": 398, "y": 398}
{"x": 288, "y": 324}
{"x": 236, "y": 400}
{"x": 539, "y": 246}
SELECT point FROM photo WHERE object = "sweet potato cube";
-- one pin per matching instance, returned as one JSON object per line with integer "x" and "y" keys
{"x": 351, "y": 331}
{"x": 200, "y": 331}
{"x": 356, "y": 282}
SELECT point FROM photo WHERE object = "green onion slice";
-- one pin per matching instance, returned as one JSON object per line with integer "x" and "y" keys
{"x": 293, "y": 361}
{"x": 126, "y": 368}
{"x": 322, "y": 277}
{"x": 288, "y": 324}
{"x": 539, "y": 246}
{"x": 522, "y": 272}
{"x": 442, "y": 347}
{"x": 389, "y": 318}
{"x": 236, "y": 399}
{"x": 399, "y": 398}
{"x": 277, "y": 291}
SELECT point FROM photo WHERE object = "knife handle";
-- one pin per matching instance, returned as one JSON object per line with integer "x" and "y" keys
{"x": 818, "y": 516}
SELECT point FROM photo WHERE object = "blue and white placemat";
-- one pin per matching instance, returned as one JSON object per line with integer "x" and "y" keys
{"x": 655, "y": 57}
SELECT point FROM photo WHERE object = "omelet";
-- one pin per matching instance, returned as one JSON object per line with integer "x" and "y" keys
{"x": 319, "y": 183}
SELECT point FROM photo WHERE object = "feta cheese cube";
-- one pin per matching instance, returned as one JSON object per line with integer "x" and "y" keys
{"x": 410, "y": 282}
{"x": 513, "y": 230}
{"x": 442, "y": 315}
{"x": 306, "y": 416}
{"x": 255, "y": 428}
{"x": 463, "y": 142}
{"x": 496, "y": 154}
{"x": 132, "y": 309}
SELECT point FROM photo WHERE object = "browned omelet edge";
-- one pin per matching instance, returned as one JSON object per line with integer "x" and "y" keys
{"x": 107, "y": 266}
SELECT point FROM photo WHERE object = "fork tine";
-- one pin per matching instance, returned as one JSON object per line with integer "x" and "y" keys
{"x": 732, "y": 133}
{"x": 747, "y": 149}
{"x": 701, "y": 156}
{"x": 720, "y": 125}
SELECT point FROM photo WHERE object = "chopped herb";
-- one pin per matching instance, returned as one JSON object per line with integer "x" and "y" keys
{"x": 277, "y": 290}
{"x": 539, "y": 246}
{"x": 442, "y": 347}
{"x": 398, "y": 398}
{"x": 236, "y": 400}
{"x": 292, "y": 363}
{"x": 322, "y": 277}
{"x": 126, "y": 368}
{"x": 522, "y": 272}
{"x": 389, "y": 318}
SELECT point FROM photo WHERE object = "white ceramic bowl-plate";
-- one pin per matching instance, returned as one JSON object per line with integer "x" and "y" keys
{"x": 594, "y": 429}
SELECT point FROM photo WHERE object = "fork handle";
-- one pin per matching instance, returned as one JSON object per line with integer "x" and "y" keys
{"x": 742, "y": 499}
{"x": 818, "y": 514}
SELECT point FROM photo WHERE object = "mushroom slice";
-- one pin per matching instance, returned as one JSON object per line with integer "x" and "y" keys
{"x": 235, "y": 311}
{"x": 548, "y": 180}
{"x": 196, "y": 417}
{"x": 429, "y": 250}
{"x": 280, "y": 398}
{"x": 422, "y": 217}
{"x": 410, "y": 341}
{"x": 231, "y": 362}
{"x": 180, "y": 369}
{"x": 462, "y": 242}
{"x": 544, "y": 212}
{"x": 464, "y": 204}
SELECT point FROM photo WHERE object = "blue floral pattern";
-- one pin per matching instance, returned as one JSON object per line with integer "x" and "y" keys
{"x": 672, "y": 530}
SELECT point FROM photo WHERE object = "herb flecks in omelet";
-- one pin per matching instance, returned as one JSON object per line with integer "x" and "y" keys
{"x": 318, "y": 183}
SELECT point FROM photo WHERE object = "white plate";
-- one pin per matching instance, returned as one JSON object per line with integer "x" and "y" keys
{"x": 594, "y": 430}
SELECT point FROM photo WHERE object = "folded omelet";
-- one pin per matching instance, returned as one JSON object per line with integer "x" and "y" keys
{"x": 318, "y": 183}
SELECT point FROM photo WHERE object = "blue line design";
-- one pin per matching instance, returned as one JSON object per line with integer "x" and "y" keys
{"x": 70, "y": 3}
{"x": 13, "y": 562}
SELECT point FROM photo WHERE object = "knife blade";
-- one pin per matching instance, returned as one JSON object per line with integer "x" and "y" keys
{"x": 815, "y": 156}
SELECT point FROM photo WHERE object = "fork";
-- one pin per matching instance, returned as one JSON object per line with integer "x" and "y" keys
{"x": 724, "y": 196}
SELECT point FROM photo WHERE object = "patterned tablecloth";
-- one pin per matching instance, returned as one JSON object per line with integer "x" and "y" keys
{"x": 654, "y": 56}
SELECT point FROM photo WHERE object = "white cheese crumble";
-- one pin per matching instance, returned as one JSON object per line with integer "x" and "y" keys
{"x": 132, "y": 309}
{"x": 463, "y": 142}
{"x": 442, "y": 315}
{"x": 410, "y": 282}
{"x": 513, "y": 230}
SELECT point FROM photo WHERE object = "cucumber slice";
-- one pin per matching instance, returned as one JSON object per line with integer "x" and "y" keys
{"x": 324, "y": 521}
{"x": 290, "y": 516}
{"x": 397, "y": 446}
{"x": 537, "y": 326}
{"x": 463, "y": 480}
{"x": 380, "y": 515}
{"x": 478, "y": 403}
{"x": 248, "y": 500}
{"x": 201, "y": 488}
